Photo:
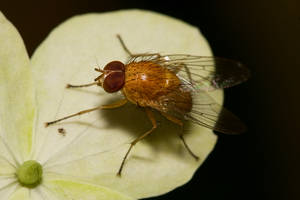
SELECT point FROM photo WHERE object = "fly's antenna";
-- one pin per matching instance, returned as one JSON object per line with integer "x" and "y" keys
{"x": 98, "y": 69}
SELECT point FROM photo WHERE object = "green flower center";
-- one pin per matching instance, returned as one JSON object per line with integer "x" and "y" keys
{"x": 30, "y": 174}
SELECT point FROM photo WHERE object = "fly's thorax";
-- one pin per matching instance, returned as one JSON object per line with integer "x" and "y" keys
{"x": 146, "y": 82}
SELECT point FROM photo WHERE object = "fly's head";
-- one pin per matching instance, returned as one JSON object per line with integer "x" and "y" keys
{"x": 112, "y": 78}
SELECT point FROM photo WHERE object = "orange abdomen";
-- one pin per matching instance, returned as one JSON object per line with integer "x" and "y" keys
{"x": 146, "y": 82}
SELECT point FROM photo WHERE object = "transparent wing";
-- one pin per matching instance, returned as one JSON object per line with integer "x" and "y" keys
{"x": 201, "y": 109}
{"x": 206, "y": 112}
{"x": 199, "y": 74}
{"x": 202, "y": 72}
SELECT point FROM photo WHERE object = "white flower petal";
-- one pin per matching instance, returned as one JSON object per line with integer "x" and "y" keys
{"x": 66, "y": 189}
{"x": 95, "y": 143}
{"x": 21, "y": 193}
{"x": 16, "y": 95}
{"x": 39, "y": 193}
{"x": 8, "y": 190}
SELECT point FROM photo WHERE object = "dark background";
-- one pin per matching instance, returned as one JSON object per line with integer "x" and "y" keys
{"x": 264, "y": 35}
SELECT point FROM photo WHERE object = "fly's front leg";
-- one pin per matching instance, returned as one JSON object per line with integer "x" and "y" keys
{"x": 110, "y": 106}
{"x": 124, "y": 46}
{"x": 154, "y": 126}
{"x": 135, "y": 55}
{"x": 78, "y": 86}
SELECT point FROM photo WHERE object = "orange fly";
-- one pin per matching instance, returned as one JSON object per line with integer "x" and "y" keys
{"x": 176, "y": 85}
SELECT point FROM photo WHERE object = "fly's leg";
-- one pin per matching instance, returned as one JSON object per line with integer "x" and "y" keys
{"x": 135, "y": 55}
{"x": 154, "y": 126}
{"x": 187, "y": 147}
{"x": 77, "y": 86}
{"x": 124, "y": 46}
{"x": 89, "y": 84}
{"x": 110, "y": 106}
{"x": 179, "y": 122}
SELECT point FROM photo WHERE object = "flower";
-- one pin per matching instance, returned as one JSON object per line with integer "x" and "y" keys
{"x": 40, "y": 163}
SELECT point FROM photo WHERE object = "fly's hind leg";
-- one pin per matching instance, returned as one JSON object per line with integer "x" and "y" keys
{"x": 154, "y": 126}
{"x": 110, "y": 106}
{"x": 179, "y": 122}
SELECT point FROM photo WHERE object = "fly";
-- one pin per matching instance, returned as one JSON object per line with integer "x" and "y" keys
{"x": 176, "y": 85}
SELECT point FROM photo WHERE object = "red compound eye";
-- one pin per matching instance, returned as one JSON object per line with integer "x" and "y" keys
{"x": 115, "y": 66}
{"x": 113, "y": 81}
